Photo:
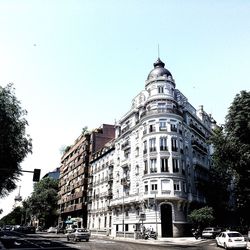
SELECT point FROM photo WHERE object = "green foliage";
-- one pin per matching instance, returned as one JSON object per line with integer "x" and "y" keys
{"x": 13, "y": 218}
{"x": 220, "y": 177}
{"x": 231, "y": 158}
{"x": 85, "y": 130}
{"x": 202, "y": 217}
{"x": 43, "y": 201}
{"x": 14, "y": 143}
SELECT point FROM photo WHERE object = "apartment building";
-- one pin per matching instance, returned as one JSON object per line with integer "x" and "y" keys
{"x": 161, "y": 157}
{"x": 100, "y": 189}
{"x": 74, "y": 173}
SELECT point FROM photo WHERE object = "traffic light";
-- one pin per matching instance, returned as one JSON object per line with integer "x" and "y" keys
{"x": 36, "y": 174}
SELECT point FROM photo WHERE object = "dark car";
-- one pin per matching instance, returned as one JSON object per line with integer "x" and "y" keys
{"x": 25, "y": 229}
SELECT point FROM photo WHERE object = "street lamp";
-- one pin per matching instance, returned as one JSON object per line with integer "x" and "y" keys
{"x": 156, "y": 227}
{"x": 123, "y": 212}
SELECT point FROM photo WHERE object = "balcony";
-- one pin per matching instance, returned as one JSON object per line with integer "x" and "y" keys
{"x": 152, "y": 149}
{"x": 125, "y": 182}
{"x": 197, "y": 130}
{"x": 110, "y": 177}
{"x": 199, "y": 147}
{"x": 125, "y": 145}
{"x": 162, "y": 111}
{"x": 163, "y": 148}
{"x": 153, "y": 170}
{"x": 125, "y": 129}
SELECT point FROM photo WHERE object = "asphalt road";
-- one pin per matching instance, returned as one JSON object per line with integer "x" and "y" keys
{"x": 96, "y": 243}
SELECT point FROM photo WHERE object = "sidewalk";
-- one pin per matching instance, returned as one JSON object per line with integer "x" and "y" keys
{"x": 159, "y": 241}
{"x": 175, "y": 241}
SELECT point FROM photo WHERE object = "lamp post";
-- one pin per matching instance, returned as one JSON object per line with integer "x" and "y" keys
{"x": 123, "y": 212}
{"x": 156, "y": 226}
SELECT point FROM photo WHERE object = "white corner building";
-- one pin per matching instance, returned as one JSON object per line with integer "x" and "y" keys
{"x": 161, "y": 158}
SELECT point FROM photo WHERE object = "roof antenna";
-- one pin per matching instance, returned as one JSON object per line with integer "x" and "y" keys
{"x": 158, "y": 51}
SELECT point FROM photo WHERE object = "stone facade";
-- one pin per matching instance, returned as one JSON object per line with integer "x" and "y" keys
{"x": 159, "y": 159}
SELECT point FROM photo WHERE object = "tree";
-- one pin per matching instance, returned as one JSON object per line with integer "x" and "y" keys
{"x": 14, "y": 143}
{"x": 232, "y": 154}
{"x": 43, "y": 201}
{"x": 202, "y": 217}
{"x": 13, "y": 218}
{"x": 220, "y": 177}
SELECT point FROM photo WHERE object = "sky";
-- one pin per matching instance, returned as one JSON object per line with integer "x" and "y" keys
{"x": 77, "y": 63}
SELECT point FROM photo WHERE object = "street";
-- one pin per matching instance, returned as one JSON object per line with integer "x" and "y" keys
{"x": 109, "y": 244}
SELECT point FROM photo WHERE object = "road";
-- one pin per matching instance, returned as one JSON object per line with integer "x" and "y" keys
{"x": 96, "y": 243}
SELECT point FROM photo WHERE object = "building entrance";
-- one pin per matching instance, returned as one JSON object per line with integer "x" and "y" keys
{"x": 166, "y": 220}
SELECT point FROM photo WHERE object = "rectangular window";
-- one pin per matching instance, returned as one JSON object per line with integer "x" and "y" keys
{"x": 146, "y": 188}
{"x": 153, "y": 166}
{"x": 175, "y": 165}
{"x": 174, "y": 144}
{"x": 163, "y": 124}
{"x": 177, "y": 186}
{"x": 110, "y": 220}
{"x": 163, "y": 144}
{"x": 137, "y": 151}
{"x": 153, "y": 187}
{"x": 151, "y": 128}
{"x": 181, "y": 146}
{"x": 160, "y": 89}
{"x": 183, "y": 167}
{"x": 152, "y": 146}
{"x": 137, "y": 169}
{"x": 144, "y": 147}
{"x": 145, "y": 167}
{"x": 184, "y": 187}
{"x": 126, "y": 227}
{"x": 173, "y": 127}
{"x": 164, "y": 164}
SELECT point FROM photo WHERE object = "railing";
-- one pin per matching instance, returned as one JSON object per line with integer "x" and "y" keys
{"x": 197, "y": 129}
{"x": 160, "y": 111}
{"x": 199, "y": 147}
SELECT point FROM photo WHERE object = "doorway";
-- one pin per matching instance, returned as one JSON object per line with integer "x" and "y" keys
{"x": 166, "y": 220}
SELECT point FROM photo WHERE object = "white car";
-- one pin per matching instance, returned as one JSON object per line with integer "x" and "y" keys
{"x": 231, "y": 239}
{"x": 79, "y": 234}
{"x": 52, "y": 230}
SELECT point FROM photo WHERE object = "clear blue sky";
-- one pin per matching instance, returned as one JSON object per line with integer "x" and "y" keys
{"x": 80, "y": 63}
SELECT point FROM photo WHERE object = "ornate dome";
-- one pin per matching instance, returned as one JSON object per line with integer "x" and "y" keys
{"x": 158, "y": 70}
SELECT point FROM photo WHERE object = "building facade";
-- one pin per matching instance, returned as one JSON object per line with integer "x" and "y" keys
{"x": 100, "y": 189}
{"x": 74, "y": 173}
{"x": 160, "y": 159}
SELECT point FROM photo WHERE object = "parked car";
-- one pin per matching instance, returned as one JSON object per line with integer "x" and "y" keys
{"x": 78, "y": 234}
{"x": 211, "y": 232}
{"x": 60, "y": 230}
{"x": 70, "y": 228}
{"x": 231, "y": 239}
{"x": 25, "y": 229}
{"x": 52, "y": 230}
